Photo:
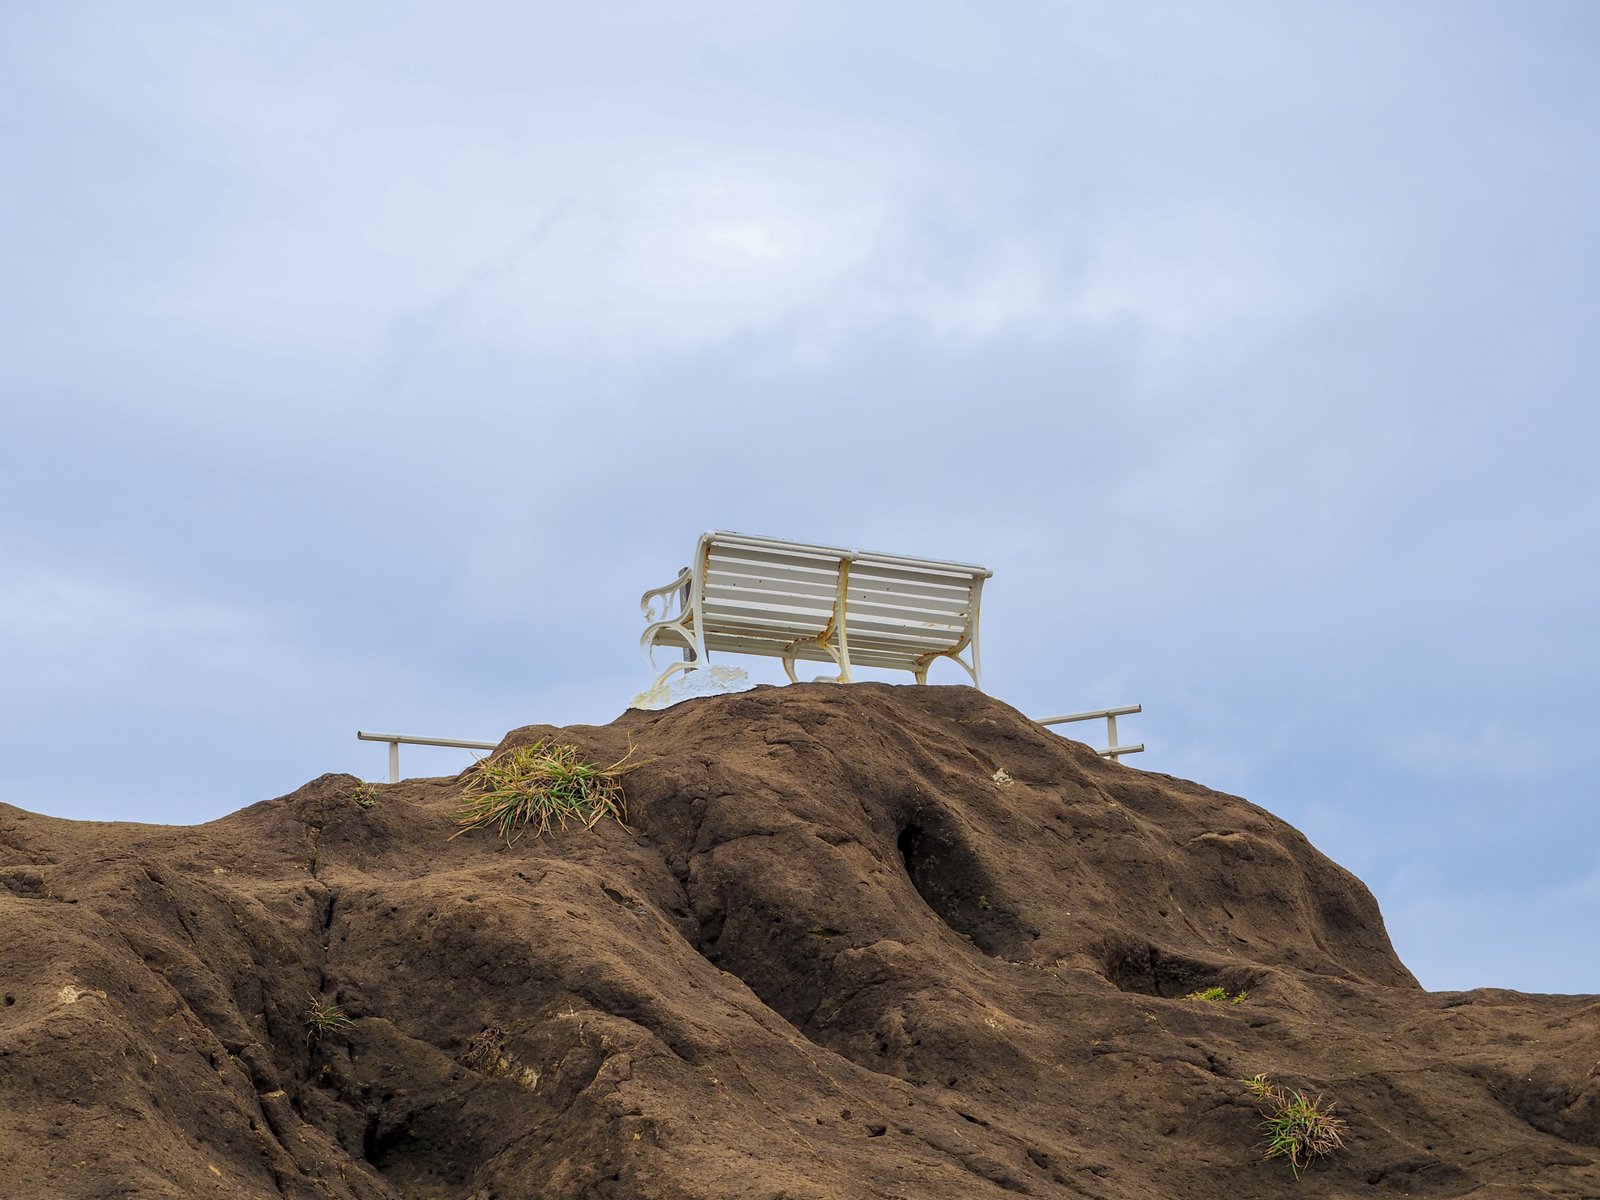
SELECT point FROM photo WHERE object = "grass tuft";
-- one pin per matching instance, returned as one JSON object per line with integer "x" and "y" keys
{"x": 1297, "y": 1128}
{"x": 489, "y": 1054}
{"x": 1216, "y": 995}
{"x": 323, "y": 1018}
{"x": 545, "y": 786}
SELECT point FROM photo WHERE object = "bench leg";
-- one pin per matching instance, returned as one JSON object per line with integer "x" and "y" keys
{"x": 920, "y": 670}
{"x": 833, "y": 652}
{"x": 662, "y": 678}
{"x": 671, "y": 633}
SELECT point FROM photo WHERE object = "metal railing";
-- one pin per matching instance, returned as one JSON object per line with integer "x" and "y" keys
{"x": 395, "y": 739}
{"x": 1110, "y": 715}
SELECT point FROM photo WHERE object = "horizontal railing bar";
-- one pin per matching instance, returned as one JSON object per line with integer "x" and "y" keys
{"x": 425, "y": 741}
{"x": 1090, "y": 716}
{"x": 1113, "y": 751}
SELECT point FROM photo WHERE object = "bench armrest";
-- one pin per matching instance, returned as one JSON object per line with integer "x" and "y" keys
{"x": 664, "y": 596}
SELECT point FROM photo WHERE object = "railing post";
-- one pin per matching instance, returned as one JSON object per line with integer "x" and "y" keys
{"x": 394, "y": 740}
{"x": 1114, "y": 750}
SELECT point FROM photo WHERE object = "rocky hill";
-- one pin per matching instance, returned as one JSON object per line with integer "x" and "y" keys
{"x": 853, "y": 942}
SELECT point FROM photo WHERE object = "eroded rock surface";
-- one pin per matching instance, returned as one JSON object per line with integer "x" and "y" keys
{"x": 855, "y": 942}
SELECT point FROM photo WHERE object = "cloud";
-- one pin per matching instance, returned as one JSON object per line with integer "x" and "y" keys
{"x": 364, "y": 365}
{"x": 673, "y": 259}
{"x": 1485, "y": 747}
{"x": 70, "y": 627}
{"x": 104, "y": 647}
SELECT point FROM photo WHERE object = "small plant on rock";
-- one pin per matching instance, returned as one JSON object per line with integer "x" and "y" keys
{"x": 1215, "y": 995}
{"x": 323, "y": 1018}
{"x": 1297, "y": 1128}
{"x": 366, "y": 795}
{"x": 543, "y": 786}
{"x": 489, "y": 1054}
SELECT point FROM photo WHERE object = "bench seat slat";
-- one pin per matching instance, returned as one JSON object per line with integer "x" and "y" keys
{"x": 863, "y": 568}
{"x": 737, "y": 560}
{"x": 909, "y": 646}
{"x": 876, "y": 605}
{"x": 817, "y": 582}
{"x": 955, "y": 606}
{"x": 905, "y": 659}
{"x": 798, "y": 625}
{"x": 919, "y": 565}
{"x": 775, "y": 612}
{"x": 777, "y": 608}
{"x": 922, "y": 635}
{"x": 910, "y": 643}
{"x": 769, "y": 598}
{"x": 736, "y": 585}
{"x": 738, "y": 543}
{"x": 934, "y": 591}
{"x": 865, "y": 657}
{"x": 770, "y": 647}
{"x": 773, "y": 566}
{"x": 874, "y": 658}
{"x": 944, "y": 600}
{"x": 857, "y": 599}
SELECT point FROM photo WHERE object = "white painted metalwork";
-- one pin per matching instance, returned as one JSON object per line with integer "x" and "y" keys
{"x": 1110, "y": 715}
{"x": 395, "y": 739}
{"x": 795, "y": 601}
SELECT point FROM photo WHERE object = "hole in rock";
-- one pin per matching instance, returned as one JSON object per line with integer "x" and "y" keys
{"x": 952, "y": 881}
{"x": 1554, "y": 1106}
{"x": 908, "y": 843}
{"x": 1151, "y": 971}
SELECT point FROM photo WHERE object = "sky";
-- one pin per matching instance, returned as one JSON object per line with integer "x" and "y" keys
{"x": 361, "y": 364}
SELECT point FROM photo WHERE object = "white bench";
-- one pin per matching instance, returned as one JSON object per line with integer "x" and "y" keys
{"x": 789, "y": 600}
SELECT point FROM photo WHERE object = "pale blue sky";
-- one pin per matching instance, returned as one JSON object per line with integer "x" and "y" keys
{"x": 363, "y": 363}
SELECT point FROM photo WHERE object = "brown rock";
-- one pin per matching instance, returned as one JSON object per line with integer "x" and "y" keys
{"x": 863, "y": 941}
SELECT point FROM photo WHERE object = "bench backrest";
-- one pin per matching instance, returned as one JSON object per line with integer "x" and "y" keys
{"x": 761, "y": 595}
{"x": 756, "y": 596}
{"x": 902, "y": 608}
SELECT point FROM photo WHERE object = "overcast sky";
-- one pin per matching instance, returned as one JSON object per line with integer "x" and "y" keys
{"x": 362, "y": 363}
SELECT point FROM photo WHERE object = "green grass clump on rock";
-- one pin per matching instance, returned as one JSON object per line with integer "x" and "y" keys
{"x": 1297, "y": 1128}
{"x": 545, "y": 786}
